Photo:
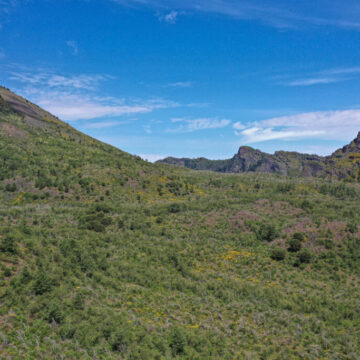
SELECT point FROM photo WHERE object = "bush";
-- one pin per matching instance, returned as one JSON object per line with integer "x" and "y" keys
{"x": 177, "y": 341}
{"x": 174, "y": 208}
{"x": 352, "y": 227}
{"x": 304, "y": 256}
{"x": 294, "y": 245}
{"x": 267, "y": 232}
{"x": 278, "y": 254}
{"x": 299, "y": 236}
{"x": 42, "y": 284}
{"x": 8, "y": 244}
{"x": 11, "y": 187}
{"x": 55, "y": 314}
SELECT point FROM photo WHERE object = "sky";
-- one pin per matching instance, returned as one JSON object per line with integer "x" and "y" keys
{"x": 190, "y": 78}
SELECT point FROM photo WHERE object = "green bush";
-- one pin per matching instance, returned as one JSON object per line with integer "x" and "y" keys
{"x": 177, "y": 341}
{"x": 304, "y": 256}
{"x": 352, "y": 227}
{"x": 278, "y": 254}
{"x": 8, "y": 244}
{"x": 42, "y": 283}
{"x": 294, "y": 245}
{"x": 299, "y": 236}
{"x": 267, "y": 232}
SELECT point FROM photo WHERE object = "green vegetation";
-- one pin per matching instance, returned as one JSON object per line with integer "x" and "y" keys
{"x": 105, "y": 256}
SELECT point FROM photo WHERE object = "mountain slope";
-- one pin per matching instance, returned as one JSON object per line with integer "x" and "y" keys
{"x": 343, "y": 164}
{"x": 106, "y": 256}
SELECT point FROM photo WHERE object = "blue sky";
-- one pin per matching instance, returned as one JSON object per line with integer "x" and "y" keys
{"x": 190, "y": 78}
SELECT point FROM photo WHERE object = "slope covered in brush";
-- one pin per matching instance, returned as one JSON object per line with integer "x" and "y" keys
{"x": 105, "y": 256}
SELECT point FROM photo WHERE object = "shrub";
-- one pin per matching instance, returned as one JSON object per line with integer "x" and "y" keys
{"x": 119, "y": 341}
{"x": 267, "y": 232}
{"x": 11, "y": 187}
{"x": 8, "y": 244}
{"x": 304, "y": 256}
{"x": 299, "y": 236}
{"x": 42, "y": 284}
{"x": 352, "y": 227}
{"x": 294, "y": 245}
{"x": 177, "y": 341}
{"x": 174, "y": 208}
{"x": 278, "y": 254}
{"x": 55, "y": 314}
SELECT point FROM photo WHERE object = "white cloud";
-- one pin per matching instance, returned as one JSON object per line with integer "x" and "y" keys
{"x": 71, "y": 106}
{"x": 285, "y": 14}
{"x": 181, "y": 84}
{"x": 53, "y": 80}
{"x": 73, "y": 46}
{"x": 190, "y": 125}
{"x": 238, "y": 126}
{"x": 330, "y": 125}
{"x": 314, "y": 81}
{"x": 170, "y": 17}
{"x": 254, "y": 134}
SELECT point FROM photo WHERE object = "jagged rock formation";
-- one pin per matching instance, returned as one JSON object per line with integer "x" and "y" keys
{"x": 343, "y": 163}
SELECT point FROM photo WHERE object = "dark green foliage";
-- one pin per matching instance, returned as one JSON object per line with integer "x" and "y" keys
{"x": 11, "y": 187}
{"x": 294, "y": 245}
{"x": 178, "y": 341}
{"x": 278, "y": 254}
{"x": 55, "y": 314}
{"x": 8, "y": 244}
{"x": 267, "y": 232}
{"x": 299, "y": 236}
{"x": 352, "y": 227}
{"x": 304, "y": 256}
{"x": 174, "y": 208}
{"x": 42, "y": 283}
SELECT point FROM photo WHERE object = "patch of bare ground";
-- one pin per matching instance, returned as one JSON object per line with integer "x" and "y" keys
{"x": 265, "y": 207}
{"x": 239, "y": 219}
{"x": 12, "y": 131}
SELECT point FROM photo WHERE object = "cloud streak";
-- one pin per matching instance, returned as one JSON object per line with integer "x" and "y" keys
{"x": 190, "y": 125}
{"x": 330, "y": 125}
{"x": 53, "y": 80}
{"x": 284, "y": 14}
{"x": 73, "y": 46}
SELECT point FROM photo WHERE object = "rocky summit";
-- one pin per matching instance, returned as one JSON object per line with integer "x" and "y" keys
{"x": 342, "y": 164}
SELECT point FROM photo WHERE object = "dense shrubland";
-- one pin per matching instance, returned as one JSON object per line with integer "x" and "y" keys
{"x": 105, "y": 256}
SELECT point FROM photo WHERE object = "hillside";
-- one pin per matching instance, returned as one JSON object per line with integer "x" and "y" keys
{"x": 106, "y": 256}
{"x": 343, "y": 164}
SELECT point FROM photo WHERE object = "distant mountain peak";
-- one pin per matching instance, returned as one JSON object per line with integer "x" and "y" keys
{"x": 248, "y": 159}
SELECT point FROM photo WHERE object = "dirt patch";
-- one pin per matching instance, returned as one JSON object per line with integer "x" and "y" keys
{"x": 12, "y": 131}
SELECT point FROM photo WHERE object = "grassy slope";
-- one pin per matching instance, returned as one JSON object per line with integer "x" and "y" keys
{"x": 105, "y": 256}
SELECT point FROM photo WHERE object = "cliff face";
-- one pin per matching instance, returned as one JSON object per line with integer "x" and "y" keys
{"x": 343, "y": 163}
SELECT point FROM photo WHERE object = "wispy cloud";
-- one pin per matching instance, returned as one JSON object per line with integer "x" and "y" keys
{"x": 334, "y": 125}
{"x": 181, "y": 84}
{"x": 71, "y": 97}
{"x": 313, "y": 81}
{"x": 327, "y": 76}
{"x": 53, "y": 80}
{"x": 72, "y": 107}
{"x": 73, "y": 46}
{"x": 284, "y": 14}
{"x": 170, "y": 17}
{"x": 190, "y": 125}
